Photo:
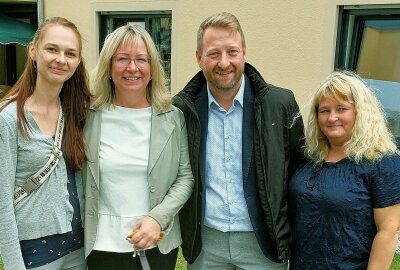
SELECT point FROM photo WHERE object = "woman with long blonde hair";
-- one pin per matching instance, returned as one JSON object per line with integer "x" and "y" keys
{"x": 138, "y": 175}
{"x": 345, "y": 202}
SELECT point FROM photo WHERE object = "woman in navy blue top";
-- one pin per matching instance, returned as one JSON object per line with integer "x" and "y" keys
{"x": 345, "y": 202}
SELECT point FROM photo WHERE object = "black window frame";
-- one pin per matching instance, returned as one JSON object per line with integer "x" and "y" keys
{"x": 351, "y": 22}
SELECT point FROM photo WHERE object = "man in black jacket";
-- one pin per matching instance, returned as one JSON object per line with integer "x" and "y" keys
{"x": 245, "y": 139}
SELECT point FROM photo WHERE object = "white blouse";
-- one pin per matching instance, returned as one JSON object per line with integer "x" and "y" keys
{"x": 123, "y": 157}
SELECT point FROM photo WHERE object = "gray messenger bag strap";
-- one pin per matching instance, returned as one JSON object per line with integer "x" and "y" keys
{"x": 36, "y": 180}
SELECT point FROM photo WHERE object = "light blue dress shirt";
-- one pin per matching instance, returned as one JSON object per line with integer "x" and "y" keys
{"x": 225, "y": 205}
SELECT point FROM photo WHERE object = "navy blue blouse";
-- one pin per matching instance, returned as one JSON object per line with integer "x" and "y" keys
{"x": 38, "y": 252}
{"x": 331, "y": 208}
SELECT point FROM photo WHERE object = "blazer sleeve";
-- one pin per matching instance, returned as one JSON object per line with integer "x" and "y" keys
{"x": 181, "y": 189}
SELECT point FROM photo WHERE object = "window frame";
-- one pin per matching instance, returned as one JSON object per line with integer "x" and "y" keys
{"x": 351, "y": 21}
{"x": 107, "y": 20}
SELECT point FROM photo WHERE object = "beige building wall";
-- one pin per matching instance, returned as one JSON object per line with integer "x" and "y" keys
{"x": 291, "y": 42}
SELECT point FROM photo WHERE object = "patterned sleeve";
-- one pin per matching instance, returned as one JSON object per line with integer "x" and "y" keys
{"x": 385, "y": 182}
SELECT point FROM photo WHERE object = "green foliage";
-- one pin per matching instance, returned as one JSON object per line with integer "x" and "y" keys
{"x": 396, "y": 262}
{"x": 181, "y": 263}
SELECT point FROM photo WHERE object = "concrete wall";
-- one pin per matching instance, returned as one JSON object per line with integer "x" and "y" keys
{"x": 291, "y": 42}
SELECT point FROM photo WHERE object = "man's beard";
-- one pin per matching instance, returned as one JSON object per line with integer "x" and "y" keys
{"x": 226, "y": 87}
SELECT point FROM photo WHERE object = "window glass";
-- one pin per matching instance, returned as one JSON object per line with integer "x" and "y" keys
{"x": 379, "y": 56}
{"x": 379, "y": 63}
{"x": 388, "y": 94}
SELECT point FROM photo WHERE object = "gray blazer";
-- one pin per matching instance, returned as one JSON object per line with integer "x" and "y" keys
{"x": 169, "y": 175}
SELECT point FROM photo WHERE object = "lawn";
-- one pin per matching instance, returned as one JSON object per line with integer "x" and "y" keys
{"x": 396, "y": 263}
{"x": 181, "y": 265}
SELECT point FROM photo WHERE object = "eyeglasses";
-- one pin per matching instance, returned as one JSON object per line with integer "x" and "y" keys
{"x": 122, "y": 61}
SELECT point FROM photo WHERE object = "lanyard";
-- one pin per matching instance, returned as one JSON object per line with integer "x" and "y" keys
{"x": 142, "y": 257}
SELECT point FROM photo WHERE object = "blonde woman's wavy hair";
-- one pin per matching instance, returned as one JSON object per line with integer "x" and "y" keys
{"x": 370, "y": 139}
{"x": 101, "y": 83}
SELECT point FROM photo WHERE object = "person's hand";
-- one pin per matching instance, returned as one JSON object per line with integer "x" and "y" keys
{"x": 147, "y": 232}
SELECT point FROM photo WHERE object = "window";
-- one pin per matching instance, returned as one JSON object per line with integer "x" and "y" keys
{"x": 368, "y": 43}
{"x": 157, "y": 23}
{"x": 22, "y": 19}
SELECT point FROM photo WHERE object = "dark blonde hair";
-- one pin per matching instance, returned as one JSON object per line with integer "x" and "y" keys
{"x": 219, "y": 20}
{"x": 370, "y": 139}
{"x": 103, "y": 87}
{"x": 74, "y": 96}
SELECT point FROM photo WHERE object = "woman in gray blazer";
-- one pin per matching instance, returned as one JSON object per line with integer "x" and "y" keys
{"x": 138, "y": 175}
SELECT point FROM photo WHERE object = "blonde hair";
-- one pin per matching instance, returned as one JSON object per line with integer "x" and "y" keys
{"x": 219, "y": 20}
{"x": 370, "y": 139}
{"x": 103, "y": 87}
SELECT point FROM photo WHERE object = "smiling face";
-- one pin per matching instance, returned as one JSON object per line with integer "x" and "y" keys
{"x": 336, "y": 120}
{"x": 222, "y": 59}
{"x": 56, "y": 55}
{"x": 131, "y": 79}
